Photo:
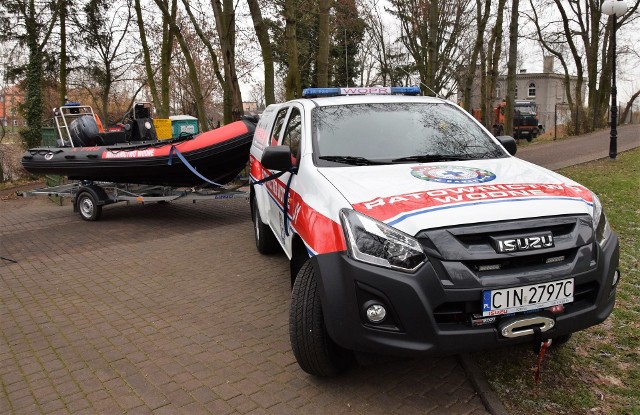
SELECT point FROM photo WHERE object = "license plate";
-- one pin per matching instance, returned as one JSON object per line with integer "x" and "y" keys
{"x": 528, "y": 297}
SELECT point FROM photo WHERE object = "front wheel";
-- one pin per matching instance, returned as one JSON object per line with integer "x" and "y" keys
{"x": 314, "y": 350}
{"x": 88, "y": 207}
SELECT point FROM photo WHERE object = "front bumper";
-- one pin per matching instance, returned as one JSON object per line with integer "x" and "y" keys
{"x": 417, "y": 323}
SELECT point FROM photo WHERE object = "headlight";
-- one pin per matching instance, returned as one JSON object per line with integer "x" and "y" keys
{"x": 373, "y": 242}
{"x": 600, "y": 222}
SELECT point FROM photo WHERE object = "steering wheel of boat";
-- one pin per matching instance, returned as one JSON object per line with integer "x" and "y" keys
{"x": 88, "y": 207}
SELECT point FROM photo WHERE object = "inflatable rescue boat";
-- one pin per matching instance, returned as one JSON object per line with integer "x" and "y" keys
{"x": 136, "y": 156}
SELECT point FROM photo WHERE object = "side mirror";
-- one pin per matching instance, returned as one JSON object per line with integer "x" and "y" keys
{"x": 277, "y": 158}
{"x": 508, "y": 143}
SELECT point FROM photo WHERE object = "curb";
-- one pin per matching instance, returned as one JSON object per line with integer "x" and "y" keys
{"x": 488, "y": 397}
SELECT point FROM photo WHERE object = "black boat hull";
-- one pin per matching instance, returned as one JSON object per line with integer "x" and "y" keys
{"x": 218, "y": 155}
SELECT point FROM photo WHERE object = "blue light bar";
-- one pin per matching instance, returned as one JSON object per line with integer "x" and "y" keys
{"x": 367, "y": 90}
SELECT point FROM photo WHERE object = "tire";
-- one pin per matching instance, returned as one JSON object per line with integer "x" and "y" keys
{"x": 314, "y": 350}
{"x": 88, "y": 207}
{"x": 529, "y": 138}
{"x": 266, "y": 241}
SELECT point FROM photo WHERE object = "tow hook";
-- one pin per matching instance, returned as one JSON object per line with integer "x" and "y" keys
{"x": 525, "y": 326}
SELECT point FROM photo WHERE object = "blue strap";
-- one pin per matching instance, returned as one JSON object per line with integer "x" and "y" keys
{"x": 285, "y": 200}
{"x": 177, "y": 152}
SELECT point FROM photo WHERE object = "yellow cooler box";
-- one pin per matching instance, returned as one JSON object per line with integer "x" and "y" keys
{"x": 163, "y": 128}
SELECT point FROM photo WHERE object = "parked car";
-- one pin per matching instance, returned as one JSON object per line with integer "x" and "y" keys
{"x": 411, "y": 230}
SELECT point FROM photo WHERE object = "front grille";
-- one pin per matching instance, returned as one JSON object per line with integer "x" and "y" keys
{"x": 467, "y": 256}
{"x": 514, "y": 263}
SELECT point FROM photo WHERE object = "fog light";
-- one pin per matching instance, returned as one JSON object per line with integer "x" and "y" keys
{"x": 376, "y": 313}
{"x": 616, "y": 278}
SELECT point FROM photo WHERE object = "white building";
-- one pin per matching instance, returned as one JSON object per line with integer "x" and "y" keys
{"x": 547, "y": 89}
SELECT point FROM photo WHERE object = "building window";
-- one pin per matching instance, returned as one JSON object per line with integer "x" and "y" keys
{"x": 15, "y": 123}
{"x": 532, "y": 89}
{"x": 516, "y": 93}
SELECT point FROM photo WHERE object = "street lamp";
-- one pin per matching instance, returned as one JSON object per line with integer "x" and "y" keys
{"x": 614, "y": 8}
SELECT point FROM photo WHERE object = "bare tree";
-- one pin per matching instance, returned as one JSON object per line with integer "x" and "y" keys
{"x": 627, "y": 108}
{"x": 193, "y": 73}
{"x": 511, "y": 68}
{"x": 324, "y": 42}
{"x": 103, "y": 30}
{"x": 267, "y": 52}
{"x": 293, "y": 81}
{"x": 434, "y": 34}
{"x": 583, "y": 30}
{"x": 160, "y": 96}
{"x": 482, "y": 17}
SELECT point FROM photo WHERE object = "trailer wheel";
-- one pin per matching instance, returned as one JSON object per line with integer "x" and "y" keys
{"x": 88, "y": 207}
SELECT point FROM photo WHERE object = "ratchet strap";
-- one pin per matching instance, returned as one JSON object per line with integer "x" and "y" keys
{"x": 539, "y": 348}
{"x": 177, "y": 152}
{"x": 285, "y": 201}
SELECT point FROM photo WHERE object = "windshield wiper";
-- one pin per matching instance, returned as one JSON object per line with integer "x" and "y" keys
{"x": 431, "y": 157}
{"x": 356, "y": 161}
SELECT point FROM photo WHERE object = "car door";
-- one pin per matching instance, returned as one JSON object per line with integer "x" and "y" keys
{"x": 291, "y": 134}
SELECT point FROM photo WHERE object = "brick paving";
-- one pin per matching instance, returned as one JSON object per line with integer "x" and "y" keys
{"x": 169, "y": 309}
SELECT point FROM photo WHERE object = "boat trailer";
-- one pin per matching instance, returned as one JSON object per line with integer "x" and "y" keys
{"x": 89, "y": 197}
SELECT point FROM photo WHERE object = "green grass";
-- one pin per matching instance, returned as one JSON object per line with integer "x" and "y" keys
{"x": 598, "y": 370}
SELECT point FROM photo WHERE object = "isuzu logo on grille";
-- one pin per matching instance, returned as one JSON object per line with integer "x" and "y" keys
{"x": 526, "y": 243}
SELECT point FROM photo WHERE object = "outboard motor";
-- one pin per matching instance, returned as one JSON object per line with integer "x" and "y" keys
{"x": 84, "y": 132}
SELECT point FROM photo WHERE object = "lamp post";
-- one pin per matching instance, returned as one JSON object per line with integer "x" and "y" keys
{"x": 614, "y": 8}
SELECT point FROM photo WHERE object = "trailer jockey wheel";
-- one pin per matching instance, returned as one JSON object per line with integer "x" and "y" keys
{"x": 88, "y": 207}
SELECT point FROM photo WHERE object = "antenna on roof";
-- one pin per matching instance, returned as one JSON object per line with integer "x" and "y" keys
{"x": 424, "y": 85}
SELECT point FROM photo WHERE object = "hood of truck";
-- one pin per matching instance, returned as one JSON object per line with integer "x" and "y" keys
{"x": 413, "y": 197}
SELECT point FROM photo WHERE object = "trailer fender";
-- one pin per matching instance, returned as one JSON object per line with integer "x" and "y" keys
{"x": 101, "y": 197}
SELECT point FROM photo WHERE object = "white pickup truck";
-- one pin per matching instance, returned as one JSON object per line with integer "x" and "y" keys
{"x": 411, "y": 230}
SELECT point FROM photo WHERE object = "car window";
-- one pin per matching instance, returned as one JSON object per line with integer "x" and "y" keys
{"x": 293, "y": 133}
{"x": 277, "y": 126}
{"x": 388, "y": 131}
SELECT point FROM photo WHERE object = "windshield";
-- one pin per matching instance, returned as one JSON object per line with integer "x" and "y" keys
{"x": 526, "y": 109}
{"x": 398, "y": 132}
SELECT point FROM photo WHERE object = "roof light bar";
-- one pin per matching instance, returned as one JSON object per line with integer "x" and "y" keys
{"x": 368, "y": 90}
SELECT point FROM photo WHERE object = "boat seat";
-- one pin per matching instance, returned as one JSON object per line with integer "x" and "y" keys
{"x": 113, "y": 137}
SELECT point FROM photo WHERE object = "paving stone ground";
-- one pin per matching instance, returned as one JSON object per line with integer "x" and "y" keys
{"x": 169, "y": 309}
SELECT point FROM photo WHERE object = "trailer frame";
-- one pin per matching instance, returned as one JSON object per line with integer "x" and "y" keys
{"x": 88, "y": 197}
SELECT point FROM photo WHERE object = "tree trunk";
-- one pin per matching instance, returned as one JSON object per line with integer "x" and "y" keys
{"x": 207, "y": 42}
{"x": 267, "y": 52}
{"x": 226, "y": 27}
{"x": 511, "y": 69}
{"x": 193, "y": 73}
{"x": 63, "y": 53}
{"x": 166, "y": 51}
{"x": 628, "y": 107}
{"x": 432, "y": 45}
{"x": 324, "y": 40}
{"x": 147, "y": 62}
{"x": 293, "y": 83}
{"x": 495, "y": 49}
{"x": 481, "y": 20}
